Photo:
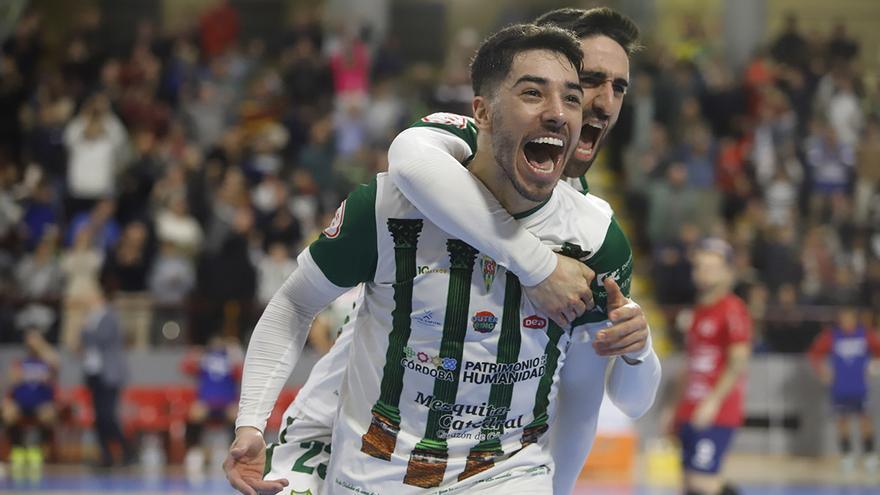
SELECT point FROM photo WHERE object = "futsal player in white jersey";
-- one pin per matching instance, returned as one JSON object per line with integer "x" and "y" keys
{"x": 314, "y": 450}
{"x": 420, "y": 162}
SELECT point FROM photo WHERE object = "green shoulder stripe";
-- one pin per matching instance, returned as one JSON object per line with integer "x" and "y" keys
{"x": 346, "y": 250}
{"x": 613, "y": 259}
{"x": 458, "y": 125}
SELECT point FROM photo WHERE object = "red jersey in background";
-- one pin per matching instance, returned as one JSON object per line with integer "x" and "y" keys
{"x": 715, "y": 328}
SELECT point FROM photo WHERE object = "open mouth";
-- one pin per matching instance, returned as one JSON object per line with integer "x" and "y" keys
{"x": 589, "y": 140}
{"x": 544, "y": 153}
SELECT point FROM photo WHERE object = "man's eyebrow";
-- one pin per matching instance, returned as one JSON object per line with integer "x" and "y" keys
{"x": 575, "y": 87}
{"x": 532, "y": 79}
{"x": 597, "y": 74}
{"x": 544, "y": 82}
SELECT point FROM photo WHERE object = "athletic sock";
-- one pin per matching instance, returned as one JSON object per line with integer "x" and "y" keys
{"x": 193, "y": 434}
{"x": 845, "y": 445}
{"x": 868, "y": 445}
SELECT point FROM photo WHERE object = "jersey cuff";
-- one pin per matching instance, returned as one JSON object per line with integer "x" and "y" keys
{"x": 639, "y": 357}
{"x": 251, "y": 421}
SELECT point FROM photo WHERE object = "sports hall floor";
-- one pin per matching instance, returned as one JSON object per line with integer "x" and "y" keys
{"x": 754, "y": 476}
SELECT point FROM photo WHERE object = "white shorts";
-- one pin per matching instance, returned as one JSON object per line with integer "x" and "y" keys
{"x": 300, "y": 456}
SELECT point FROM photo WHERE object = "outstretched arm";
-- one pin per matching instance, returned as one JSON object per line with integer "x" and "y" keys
{"x": 274, "y": 348}
{"x": 425, "y": 163}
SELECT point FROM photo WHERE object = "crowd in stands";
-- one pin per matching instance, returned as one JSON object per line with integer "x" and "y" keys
{"x": 184, "y": 172}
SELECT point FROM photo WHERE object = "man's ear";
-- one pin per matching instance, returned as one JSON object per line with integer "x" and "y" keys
{"x": 481, "y": 113}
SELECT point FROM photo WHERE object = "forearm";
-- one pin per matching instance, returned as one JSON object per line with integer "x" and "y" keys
{"x": 581, "y": 391}
{"x": 278, "y": 339}
{"x": 633, "y": 388}
{"x": 425, "y": 164}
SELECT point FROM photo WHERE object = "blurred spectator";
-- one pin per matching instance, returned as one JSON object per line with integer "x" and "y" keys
{"x": 171, "y": 279}
{"x": 229, "y": 305}
{"x": 174, "y": 225}
{"x": 385, "y": 112}
{"x": 95, "y": 141}
{"x": 673, "y": 203}
{"x": 786, "y": 329}
{"x": 217, "y": 369}
{"x": 207, "y": 113}
{"x": 307, "y": 77}
{"x": 81, "y": 266}
{"x": 40, "y": 214}
{"x": 272, "y": 270}
{"x": 350, "y": 66}
{"x": 790, "y": 47}
{"x": 867, "y": 172}
{"x": 32, "y": 381}
{"x": 39, "y": 280}
{"x": 102, "y": 227}
{"x": 125, "y": 272}
{"x": 841, "y": 47}
{"x": 136, "y": 182}
{"x": 841, "y": 356}
{"x": 845, "y": 113}
{"x": 11, "y": 212}
{"x": 106, "y": 371}
{"x": 219, "y": 28}
{"x": 776, "y": 257}
{"x": 830, "y": 162}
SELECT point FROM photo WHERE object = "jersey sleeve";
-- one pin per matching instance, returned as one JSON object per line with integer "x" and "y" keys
{"x": 346, "y": 250}
{"x": 458, "y": 125}
{"x": 738, "y": 323}
{"x": 612, "y": 259}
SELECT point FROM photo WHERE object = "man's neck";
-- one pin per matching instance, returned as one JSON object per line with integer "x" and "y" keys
{"x": 490, "y": 173}
{"x": 712, "y": 296}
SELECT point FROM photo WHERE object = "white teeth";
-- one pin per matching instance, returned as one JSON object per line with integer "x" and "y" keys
{"x": 548, "y": 140}
{"x": 596, "y": 125}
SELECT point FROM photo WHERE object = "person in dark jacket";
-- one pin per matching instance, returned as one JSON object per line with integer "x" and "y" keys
{"x": 106, "y": 371}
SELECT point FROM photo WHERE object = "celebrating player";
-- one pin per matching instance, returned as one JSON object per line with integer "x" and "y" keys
{"x": 532, "y": 103}
{"x": 310, "y": 417}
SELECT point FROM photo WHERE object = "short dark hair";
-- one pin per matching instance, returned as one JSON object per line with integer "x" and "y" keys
{"x": 495, "y": 56}
{"x": 600, "y": 21}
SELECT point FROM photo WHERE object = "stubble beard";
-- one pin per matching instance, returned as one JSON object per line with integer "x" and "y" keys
{"x": 504, "y": 151}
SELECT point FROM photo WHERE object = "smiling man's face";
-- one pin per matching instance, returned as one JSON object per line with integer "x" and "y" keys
{"x": 536, "y": 119}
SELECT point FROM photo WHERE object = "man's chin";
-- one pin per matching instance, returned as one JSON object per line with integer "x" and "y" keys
{"x": 576, "y": 168}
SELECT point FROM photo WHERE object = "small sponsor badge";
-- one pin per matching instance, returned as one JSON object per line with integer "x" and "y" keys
{"x": 484, "y": 321}
{"x": 489, "y": 268}
{"x": 534, "y": 322}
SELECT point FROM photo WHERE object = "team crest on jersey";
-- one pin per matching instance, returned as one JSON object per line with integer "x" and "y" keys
{"x": 534, "y": 322}
{"x": 332, "y": 230}
{"x": 489, "y": 267}
{"x": 484, "y": 321}
{"x": 444, "y": 118}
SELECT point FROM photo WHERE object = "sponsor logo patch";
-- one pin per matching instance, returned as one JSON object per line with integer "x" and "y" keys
{"x": 534, "y": 322}
{"x": 484, "y": 321}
